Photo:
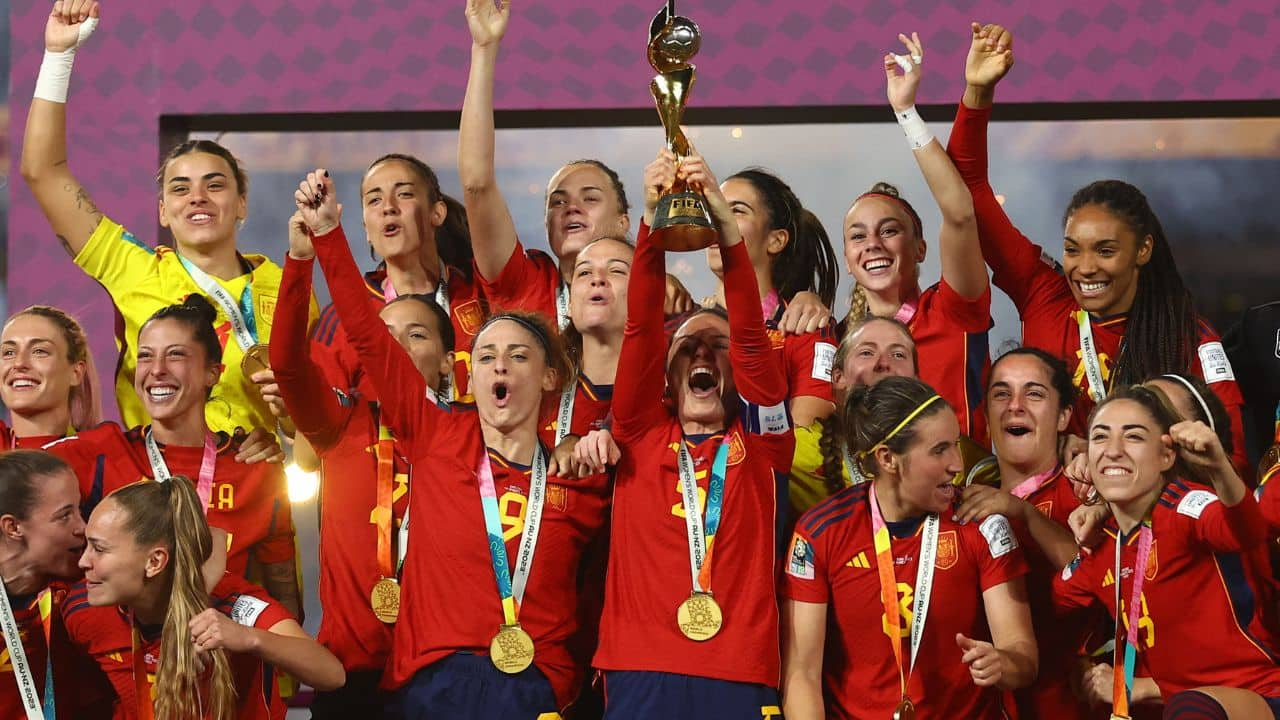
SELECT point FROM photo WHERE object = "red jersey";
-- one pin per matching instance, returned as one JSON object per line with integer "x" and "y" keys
{"x": 1203, "y": 550}
{"x": 591, "y": 406}
{"x": 106, "y": 635}
{"x": 249, "y": 502}
{"x": 951, "y": 342}
{"x": 649, "y": 574}
{"x": 833, "y": 561}
{"x": 1050, "y": 696}
{"x": 103, "y": 462}
{"x": 467, "y": 309}
{"x": 341, "y": 423}
{"x": 1043, "y": 297}
{"x": 529, "y": 281}
{"x": 806, "y": 358}
{"x": 79, "y": 687}
{"x": 1269, "y": 498}
{"x": 451, "y": 602}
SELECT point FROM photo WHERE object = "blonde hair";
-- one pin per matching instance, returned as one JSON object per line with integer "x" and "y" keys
{"x": 84, "y": 402}
{"x": 171, "y": 513}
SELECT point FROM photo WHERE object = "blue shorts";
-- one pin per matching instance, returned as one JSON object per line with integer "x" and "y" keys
{"x": 637, "y": 695}
{"x": 468, "y": 687}
{"x": 1274, "y": 704}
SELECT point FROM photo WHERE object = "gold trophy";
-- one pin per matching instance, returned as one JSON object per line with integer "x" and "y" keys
{"x": 681, "y": 221}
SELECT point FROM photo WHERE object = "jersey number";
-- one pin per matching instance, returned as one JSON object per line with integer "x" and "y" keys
{"x": 906, "y": 597}
{"x": 678, "y": 508}
{"x": 1145, "y": 623}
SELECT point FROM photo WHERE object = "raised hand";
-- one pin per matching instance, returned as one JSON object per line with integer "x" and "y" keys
{"x": 990, "y": 55}
{"x": 804, "y": 314}
{"x": 317, "y": 202}
{"x": 694, "y": 170}
{"x": 1199, "y": 446}
{"x": 70, "y": 24}
{"x": 903, "y": 73}
{"x": 659, "y": 176}
{"x": 487, "y": 20}
{"x": 300, "y": 247}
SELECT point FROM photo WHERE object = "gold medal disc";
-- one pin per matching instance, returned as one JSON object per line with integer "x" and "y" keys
{"x": 905, "y": 710}
{"x": 511, "y": 650}
{"x": 699, "y": 617}
{"x": 385, "y": 600}
{"x": 256, "y": 359}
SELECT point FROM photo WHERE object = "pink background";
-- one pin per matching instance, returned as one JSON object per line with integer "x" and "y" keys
{"x": 152, "y": 58}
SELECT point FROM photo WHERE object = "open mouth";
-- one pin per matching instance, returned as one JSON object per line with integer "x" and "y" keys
{"x": 1114, "y": 471}
{"x": 1017, "y": 430}
{"x": 390, "y": 229}
{"x": 703, "y": 381}
{"x": 1092, "y": 289}
{"x": 877, "y": 266}
{"x": 501, "y": 393}
{"x": 23, "y": 384}
{"x": 199, "y": 218}
{"x": 574, "y": 227}
{"x": 161, "y": 393}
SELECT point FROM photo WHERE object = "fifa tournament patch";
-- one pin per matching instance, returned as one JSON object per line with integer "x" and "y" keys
{"x": 1194, "y": 503}
{"x": 999, "y": 535}
{"x": 247, "y": 609}
{"x": 824, "y": 358}
{"x": 1214, "y": 363}
{"x": 1071, "y": 567}
{"x": 800, "y": 563}
{"x": 766, "y": 419}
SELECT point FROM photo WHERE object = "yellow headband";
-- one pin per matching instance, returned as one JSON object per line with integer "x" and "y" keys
{"x": 905, "y": 421}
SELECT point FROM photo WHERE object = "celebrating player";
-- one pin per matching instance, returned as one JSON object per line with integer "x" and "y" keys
{"x": 700, "y": 468}
{"x": 1171, "y": 540}
{"x": 461, "y": 649}
{"x": 884, "y": 245}
{"x": 860, "y": 576}
{"x": 144, "y": 614}
{"x": 203, "y": 197}
{"x": 1117, "y": 312}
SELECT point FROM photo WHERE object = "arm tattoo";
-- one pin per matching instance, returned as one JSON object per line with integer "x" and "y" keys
{"x": 66, "y": 246}
{"x": 85, "y": 203}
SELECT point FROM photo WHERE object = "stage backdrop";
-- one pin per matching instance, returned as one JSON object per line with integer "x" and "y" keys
{"x": 155, "y": 58}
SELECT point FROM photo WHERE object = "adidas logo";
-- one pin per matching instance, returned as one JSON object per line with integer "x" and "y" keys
{"x": 859, "y": 561}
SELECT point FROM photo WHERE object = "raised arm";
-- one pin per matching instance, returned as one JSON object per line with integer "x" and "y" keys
{"x": 68, "y": 208}
{"x": 1228, "y": 519}
{"x": 1014, "y": 260}
{"x": 962, "y": 265}
{"x": 316, "y": 411}
{"x": 402, "y": 391}
{"x": 637, "y": 403}
{"x": 493, "y": 233}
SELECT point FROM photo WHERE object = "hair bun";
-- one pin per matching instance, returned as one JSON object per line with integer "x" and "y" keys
{"x": 884, "y": 188}
{"x": 201, "y": 306}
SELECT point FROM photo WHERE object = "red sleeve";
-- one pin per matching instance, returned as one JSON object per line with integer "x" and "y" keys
{"x": 971, "y": 316}
{"x": 995, "y": 547}
{"x": 757, "y": 370}
{"x": 809, "y": 359}
{"x": 527, "y": 282}
{"x": 1015, "y": 262}
{"x": 314, "y": 408}
{"x": 1224, "y": 529}
{"x": 1215, "y": 369}
{"x": 1072, "y": 587}
{"x": 805, "y": 579}
{"x": 402, "y": 391}
{"x": 280, "y": 543}
{"x": 247, "y": 604}
{"x": 637, "y": 400}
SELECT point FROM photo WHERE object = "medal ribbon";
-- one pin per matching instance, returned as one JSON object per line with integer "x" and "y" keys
{"x": 511, "y": 582}
{"x": 385, "y": 451}
{"x": 702, "y": 535}
{"x": 562, "y": 306}
{"x": 855, "y": 475}
{"x": 1122, "y": 682}
{"x": 906, "y": 312}
{"x": 1089, "y": 356}
{"x": 204, "y": 484}
{"x": 1028, "y": 487}
{"x": 243, "y": 325}
{"x": 564, "y": 419}
{"x": 769, "y": 306}
{"x": 18, "y": 657}
{"x": 141, "y": 688}
{"x": 889, "y": 583}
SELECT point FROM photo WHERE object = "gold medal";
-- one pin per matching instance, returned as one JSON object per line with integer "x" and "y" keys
{"x": 905, "y": 710}
{"x": 385, "y": 600}
{"x": 256, "y": 359}
{"x": 699, "y": 617}
{"x": 511, "y": 650}
{"x": 1119, "y": 717}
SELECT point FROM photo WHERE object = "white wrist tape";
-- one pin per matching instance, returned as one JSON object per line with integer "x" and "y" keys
{"x": 55, "y": 70}
{"x": 913, "y": 125}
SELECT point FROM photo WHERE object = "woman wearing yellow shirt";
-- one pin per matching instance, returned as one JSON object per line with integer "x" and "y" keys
{"x": 203, "y": 197}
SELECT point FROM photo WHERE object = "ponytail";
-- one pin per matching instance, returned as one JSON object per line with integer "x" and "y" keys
{"x": 453, "y": 237}
{"x": 171, "y": 513}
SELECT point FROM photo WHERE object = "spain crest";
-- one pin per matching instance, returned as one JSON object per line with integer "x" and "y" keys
{"x": 470, "y": 316}
{"x": 737, "y": 449}
{"x": 948, "y": 551}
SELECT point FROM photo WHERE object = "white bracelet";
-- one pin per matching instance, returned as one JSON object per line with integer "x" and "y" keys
{"x": 55, "y": 70}
{"x": 55, "y": 75}
{"x": 913, "y": 125}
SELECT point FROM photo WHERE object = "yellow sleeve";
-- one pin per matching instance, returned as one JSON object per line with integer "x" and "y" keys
{"x": 115, "y": 258}
{"x": 807, "y": 486}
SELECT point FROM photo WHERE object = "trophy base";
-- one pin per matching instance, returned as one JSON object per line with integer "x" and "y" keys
{"x": 681, "y": 223}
